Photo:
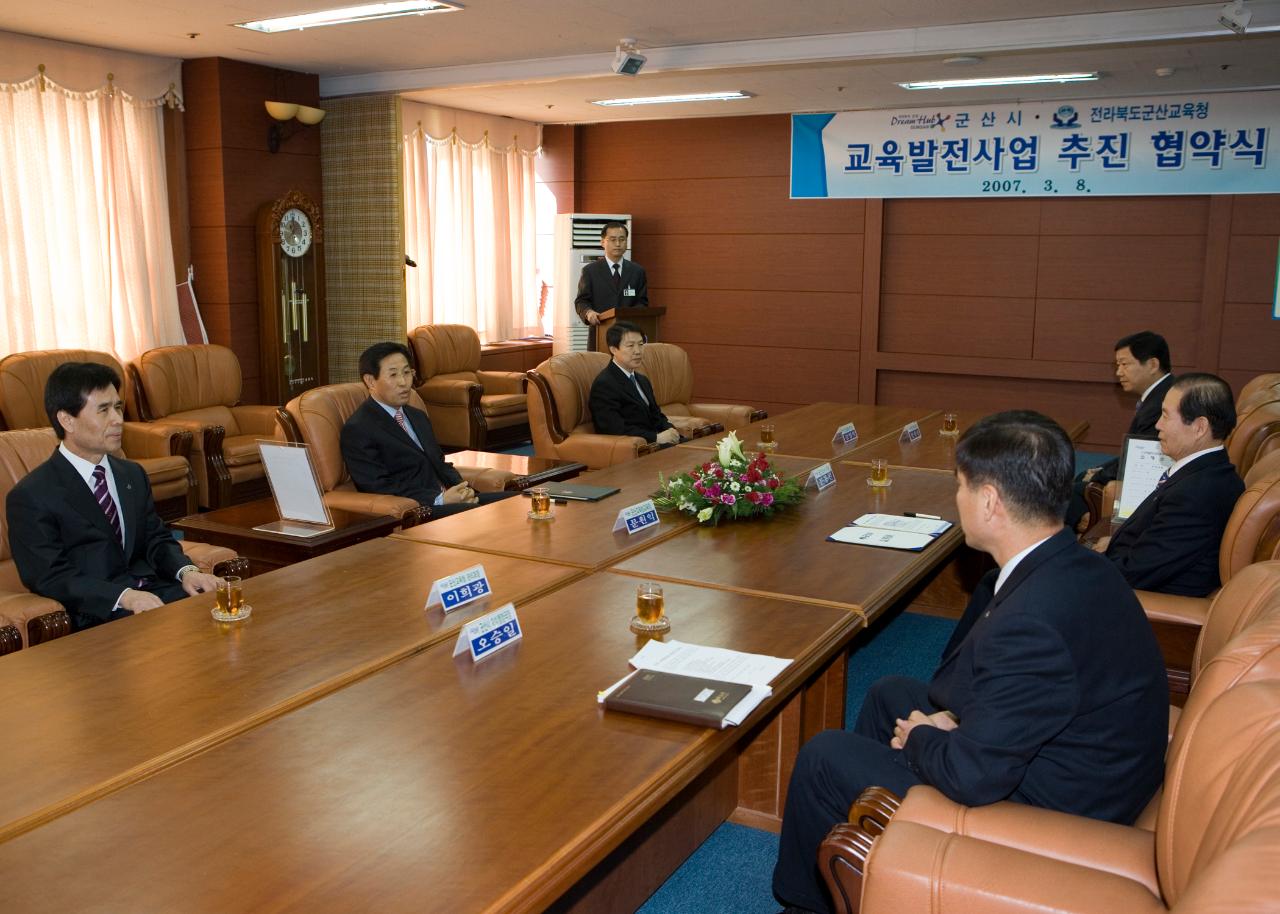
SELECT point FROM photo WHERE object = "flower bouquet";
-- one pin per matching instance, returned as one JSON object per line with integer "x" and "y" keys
{"x": 730, "y": 487}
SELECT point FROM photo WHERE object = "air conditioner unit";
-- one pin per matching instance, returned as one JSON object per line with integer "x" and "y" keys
{"x": 577, "y": 243}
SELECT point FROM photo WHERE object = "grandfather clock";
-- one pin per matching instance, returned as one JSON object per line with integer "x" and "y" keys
{"x": 291, "y": 304}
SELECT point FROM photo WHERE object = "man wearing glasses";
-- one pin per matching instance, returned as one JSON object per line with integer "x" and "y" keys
{"x": 389, "y": 447}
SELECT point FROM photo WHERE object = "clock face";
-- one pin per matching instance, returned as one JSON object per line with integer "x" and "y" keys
{"x": 295, "y": 232}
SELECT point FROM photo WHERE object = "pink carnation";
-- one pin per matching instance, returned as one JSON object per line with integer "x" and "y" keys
{"x": 728, "y": 498}
{"x": 766, "y": 499}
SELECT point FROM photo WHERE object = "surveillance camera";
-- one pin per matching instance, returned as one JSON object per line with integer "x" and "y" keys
{"x": 627, "y": 61}
{"x": 1235, "y": 17}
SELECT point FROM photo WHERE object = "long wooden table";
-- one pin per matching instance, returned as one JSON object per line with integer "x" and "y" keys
{"x": 809, "y": 430}
{"x": 92, "y": 713}
{"x": 440, "y": 785}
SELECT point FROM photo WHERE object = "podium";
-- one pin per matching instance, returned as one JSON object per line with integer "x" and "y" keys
{"x": 644, "y": 318}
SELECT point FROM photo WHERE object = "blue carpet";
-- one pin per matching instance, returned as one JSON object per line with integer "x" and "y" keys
{"x": 731, "y": 872}
{"x": 1086, "y": 459}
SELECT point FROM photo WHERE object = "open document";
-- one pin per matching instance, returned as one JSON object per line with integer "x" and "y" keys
{"x": 892, "y": 531}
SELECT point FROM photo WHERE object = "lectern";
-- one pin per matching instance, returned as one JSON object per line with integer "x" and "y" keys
{"x": 644, "y": 318}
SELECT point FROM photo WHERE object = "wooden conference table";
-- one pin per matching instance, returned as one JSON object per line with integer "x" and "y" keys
{"x": 331, "y": 754}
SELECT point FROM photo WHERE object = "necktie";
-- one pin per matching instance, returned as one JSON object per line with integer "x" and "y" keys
{"x": 636, "y": 382}
{"x": 105, "y": 501}
{"x": 617, "y": 274}
{"x": 404, "y": 423}
{"x": 1164, "y": 477}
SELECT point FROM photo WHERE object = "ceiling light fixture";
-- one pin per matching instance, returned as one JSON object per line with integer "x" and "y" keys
{"x": 669, "y": 99}
{"x": 1001, "y": 81}
{"x": 1235, "y": 16}
{"x": 363, "y": 13}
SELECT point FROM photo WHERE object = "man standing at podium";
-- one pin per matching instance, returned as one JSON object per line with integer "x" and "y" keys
{"x": 611, "y": 282}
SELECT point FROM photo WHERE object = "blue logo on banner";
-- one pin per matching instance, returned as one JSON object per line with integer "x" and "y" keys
{"x": 1066, "y": 118}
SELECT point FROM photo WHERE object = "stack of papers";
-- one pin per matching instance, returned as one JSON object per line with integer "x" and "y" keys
{"x": 891, "y": 531}
{"x": 755, "y": 670}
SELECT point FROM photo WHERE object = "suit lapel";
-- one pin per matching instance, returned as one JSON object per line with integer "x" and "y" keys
{"x": 628, "y": 385}
{"x": 130, "y": 506}
{"x": 389, "y": 424}
{"x": 80, "y": 497}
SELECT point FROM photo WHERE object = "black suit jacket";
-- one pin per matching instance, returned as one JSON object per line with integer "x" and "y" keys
{"x": 66, "y": 550}
{"x": 616, "y": 408}
{"x": 597, "y": 292}
{"x": 1170, "y": 542}
{"x": 1143, "y": 423}
{"x": 1059, "y": 688}
{"x": 381, "y": 458}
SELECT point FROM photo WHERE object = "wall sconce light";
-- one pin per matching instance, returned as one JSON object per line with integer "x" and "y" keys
{"x": 282, "y": 113}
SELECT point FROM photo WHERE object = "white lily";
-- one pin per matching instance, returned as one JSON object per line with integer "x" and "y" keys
{"x": 705, "y": 514}
{"x": 728, "y": 449}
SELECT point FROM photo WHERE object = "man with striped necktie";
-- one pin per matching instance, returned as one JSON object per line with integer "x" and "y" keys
{"x": 83, "y": 527}
{"x": 389, "y": 446}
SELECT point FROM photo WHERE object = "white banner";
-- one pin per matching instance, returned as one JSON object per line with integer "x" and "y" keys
{"x": 1197, "y": 144}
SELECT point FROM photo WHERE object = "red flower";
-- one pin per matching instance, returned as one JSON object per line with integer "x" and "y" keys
{"x": 774, "y": 481}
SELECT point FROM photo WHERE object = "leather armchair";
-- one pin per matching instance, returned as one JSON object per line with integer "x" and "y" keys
{"x": 469, "y": 408}
{"x": 1248, "y": 394}
{"x": 560, "y": 418}
{"x": 161, "y": 449}
{"x": 669, "y": 370}
{"x": 198, "y": 387}
{"x": 315, "y": 418}
{"x": 38, "y": 619}
{"x": 1213, "y": 848}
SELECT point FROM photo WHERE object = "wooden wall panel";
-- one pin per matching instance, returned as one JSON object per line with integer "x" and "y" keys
{"x": 979, "y": 265}
{"x": 783, "y": 263}
{"x": 794, "y": 377}
{"x": 1084, "y": 331}
{"x": 1124, "y": 216}
{"x": 1250, "y": 337}
{"x": 1256, "y": 214}
{"x": 702, "y": 148}
{"x": 1141, "y": 267}
{"x": 962, "y": 217}
{"x": 799, "y": 320}
{"x": 945, "y": 325}
{"x": 1251, "y": 267}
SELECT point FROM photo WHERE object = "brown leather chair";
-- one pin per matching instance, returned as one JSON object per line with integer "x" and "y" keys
{"x": 198, "y": 387}
{"x": 1249, "y": 392}
{"x": 669, "y": 370}
{"x": 162, "y": 450}
{"x": 1214, "y": 846}
{"x": 469, "y": 408}
{"x": 560, "y": 418}
{"x": 38, "y": 619}
{"x": 316, "y": 417}
{"x": 1257, "y": 429}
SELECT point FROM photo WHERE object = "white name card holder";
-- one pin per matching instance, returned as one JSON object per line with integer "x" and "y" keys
{"x": 457, "y": 590}
{"x": 845, "y": 434}
{"x": 636, "y": 518}
{"x": 823, "y": 477}
{"x": 489, "y": 634}
{"x": 910, "y": 433}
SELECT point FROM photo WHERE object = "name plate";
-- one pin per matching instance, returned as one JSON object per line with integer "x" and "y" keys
{"x": 845, "y": 434}
{"x": 459, "y": 589}
{"x": 637, "y": 517}
{"x": 910, "y": 433}
{"x": 490, "y": 633}
{"x": 823, "y": 477}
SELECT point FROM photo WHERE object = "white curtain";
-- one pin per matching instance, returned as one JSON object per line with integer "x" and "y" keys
{"x": 86, "y": 259}
{"x": 470, "y": 226}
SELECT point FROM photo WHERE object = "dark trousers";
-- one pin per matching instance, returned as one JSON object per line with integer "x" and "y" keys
{"x": 831, "y": 771}
{"x": 1077, "y": 507}
{"x": 485, "y": 498}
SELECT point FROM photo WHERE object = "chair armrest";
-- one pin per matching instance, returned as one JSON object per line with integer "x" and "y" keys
{"x": 729, "y": 415}
{"x": 1119, "y": 849}
{"x": 1167, "y": 607}
{"x": 155, "y": 439}
{"x": 257, "y": 419}
{"x": 205, "y": 555}
{"x": 1177, "y": 623}
{"x": 449, "y": 392}
{"x": 372, "y": 503}
{"x": 37, "y": 619}
{"x": 502, "y": 382}
{"x": 486, "y": 479}
{"x": 599, "y": 451}
{"x": 915, "y": 868}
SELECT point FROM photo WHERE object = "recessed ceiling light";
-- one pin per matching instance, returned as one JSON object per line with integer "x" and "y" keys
{"x": 363, "y": 13}
{"x": 666, "y": 99}
{"x": 1001, "y": 81}
{"x": 964, "y": 60}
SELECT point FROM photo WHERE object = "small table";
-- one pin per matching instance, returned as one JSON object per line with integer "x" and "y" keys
{"x": 233, "y": 527}
{"x": 532, "y": 471}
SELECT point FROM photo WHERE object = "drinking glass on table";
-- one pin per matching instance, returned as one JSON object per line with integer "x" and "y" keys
{"x": 540, "y": 503}
{"x": 879, "y": 473}
{"x": 650, "y": 613}
{"x": 950, "y": 424}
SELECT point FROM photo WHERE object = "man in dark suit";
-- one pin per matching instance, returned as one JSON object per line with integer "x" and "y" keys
{"x": 83, "y": 527}
{"x": 611, "y": 282}
{"x": 1170, "y": 542}
{"x": 389, "y": 447}
{"x": 622, "y": 400}
{"x": 1142, "y": 368}
{"x": 1052, "y": 691}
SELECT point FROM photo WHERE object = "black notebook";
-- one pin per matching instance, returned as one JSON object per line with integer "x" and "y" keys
{"x": 574, "y": 492}
{"x": 676, "y": 697}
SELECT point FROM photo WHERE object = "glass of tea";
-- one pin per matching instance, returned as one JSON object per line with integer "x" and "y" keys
{"x": 767, "y": 442}
{"x": 650, "y": 613}
{"x": 879, "y": 473}
{"x": 230, "y": 599}
{"x": 950, "y": 424}
{"x": 540, "y": 503}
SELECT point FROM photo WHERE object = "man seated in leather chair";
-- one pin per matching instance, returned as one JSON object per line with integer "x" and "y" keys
{"x": 622, "y": 400}
{"x": 1051, "y": 691}
{"x": 389, "y": 447}
{"x": 83, "y": 527}
{"x": 1170, "y": 543}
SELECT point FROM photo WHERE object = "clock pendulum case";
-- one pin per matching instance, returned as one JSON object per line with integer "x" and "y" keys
{"x": 291, "y": 300}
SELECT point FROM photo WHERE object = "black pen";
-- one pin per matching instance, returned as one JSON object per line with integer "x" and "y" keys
{"x": 917, "y": 514}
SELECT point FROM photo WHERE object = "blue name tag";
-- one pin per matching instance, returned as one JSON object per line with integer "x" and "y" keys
{"x": 910, "y": 432}
{"x": 490, "y": 633}
{"x": 823, "y": 477}
{"x": 459, "y": 589}
{"x": 846, "y": 434}
{"x": 637, "y": 517}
